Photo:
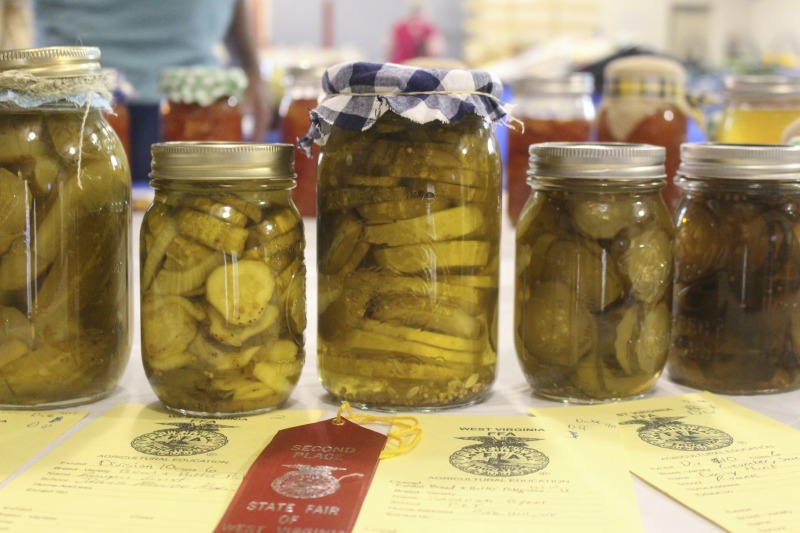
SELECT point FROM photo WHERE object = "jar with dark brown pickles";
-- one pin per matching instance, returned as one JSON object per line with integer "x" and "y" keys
{"x": 736, "y": 324}
{"x": 408, "y": 259}
{"x": 65, "y": 230}
{"x": 593, "y": 271}
{"x": 222, "y": 278}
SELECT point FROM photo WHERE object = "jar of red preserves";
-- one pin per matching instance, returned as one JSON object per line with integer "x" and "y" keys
{"x": 644, "y": 102}
{"x": 202, "y": 104}
{"x": 550, "y": 109}
{"x": 303, "y": 88}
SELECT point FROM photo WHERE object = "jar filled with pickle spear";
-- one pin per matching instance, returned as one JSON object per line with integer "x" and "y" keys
{"x": 593, "y": 285}
{"x": 222, "y": 278}
{"x": 736, "y": 326}
{"x": 65, "y": 231}
{"x": 408, "y": 234}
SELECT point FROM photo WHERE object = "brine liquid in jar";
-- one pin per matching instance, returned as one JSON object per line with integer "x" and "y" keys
{"x": 549, "y": 109}
{"x": 736, "y": 325}
{"x": 408, "y": 248}
{"x": 593, "y": 284}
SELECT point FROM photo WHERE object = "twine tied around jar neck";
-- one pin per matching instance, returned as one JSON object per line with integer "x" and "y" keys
{"x": 27, "y": 90}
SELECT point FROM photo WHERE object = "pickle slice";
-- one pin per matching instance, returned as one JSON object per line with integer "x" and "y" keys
{"x": 212, "y": 232}
{"x": 440, "y": 226}
{"x": 371, "y": 342}
{"x": 187, "y": 281}
{"x": 240, "y": 291}
{"x": 363, "y": 285}
{"x": 232, "y": 335}
{"x": 351, "y": 197}
{"x": 556, "y": 327}
{"x": 602, "y": 218}
{"x": 342, "y": 246}
{"x": 440, "y": 340}
{"x": 15, "y": 202}
{"x": 210, "y": 207}
{"x": 413, "y": 311}
{"x": 648, "y": 265}
{"x": 402, "y": 209}
{"x": 168, "y": 325}
{"x": 439, "y": 256}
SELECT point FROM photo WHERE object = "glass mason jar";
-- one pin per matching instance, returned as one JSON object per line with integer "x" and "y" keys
{"x": 222, "y": 278}
{"x": 644, "y": 102}
{"x": 759, "y": 109}
{"x": 202, "y": 104}
{"x": 408, "y": 234}
{"x": 408, "y": 252}
{"x": 593, "y": 271}
{"x": 303, "y": 89}
{"x": 64, "y": 234}
{"x": 736, "y": 324}
{"x": 550, "y": 109}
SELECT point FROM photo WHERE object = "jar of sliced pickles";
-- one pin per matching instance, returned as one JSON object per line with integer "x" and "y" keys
{"x": 593, "y": 271}
{"x": 202, "y": 103}
{"x": 549, "y": 109}
{"x": 65, "y": 314}
{"x": 737, "y": 269}
{"x": 408, "y": 235}
{"x": 644, "y": 101}
{"x": 759, "y": 108}
{"x": 222, "y": 278}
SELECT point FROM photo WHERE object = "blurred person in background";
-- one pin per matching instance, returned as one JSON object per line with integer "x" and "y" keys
{"x": 141, "y": 37}
{"x": 16, "y": 24}
{"x": 415, "y": 36}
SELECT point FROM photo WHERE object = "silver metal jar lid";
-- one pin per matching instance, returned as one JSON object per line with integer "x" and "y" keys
{"x": 740, "y": 161}
{"x": 763, "y": 86}
{"x": 598, "y": 161}
{"x": 577, "y": 83}
{"x": 208, "y": 160}
{"x": 53, "y": 62}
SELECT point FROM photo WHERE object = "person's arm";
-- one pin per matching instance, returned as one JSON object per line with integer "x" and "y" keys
{"x": 242, "y": 40}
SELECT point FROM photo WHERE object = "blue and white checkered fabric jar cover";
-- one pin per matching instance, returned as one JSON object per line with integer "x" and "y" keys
{"x": 358, "y": 94}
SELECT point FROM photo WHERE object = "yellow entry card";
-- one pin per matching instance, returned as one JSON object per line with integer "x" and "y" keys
{"x": 23, "y": 434}
{"x": 139, "y": 469}
{"x": 734, "y": 466}
{"x": 562, "y": 470}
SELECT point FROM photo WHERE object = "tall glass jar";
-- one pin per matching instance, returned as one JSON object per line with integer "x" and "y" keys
{"x": 593, "y": 271}
{"x": 644, "y": 102}
{"x": 550, "y": 109}
{"x": 303, "y": 89}
{"x": 64, "y": 233}
{"x": 222, "y": 278}
{"x": 202, "y": 104}
{"x": 737, "y": 269}
{"x": 759, "y": 109}
{"x": 408, "y": 240}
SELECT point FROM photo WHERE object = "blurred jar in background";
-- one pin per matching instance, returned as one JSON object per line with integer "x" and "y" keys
{"x": 202, "y": 104}
{"x": 758, "y": 109}
{"x": 302, "y": 89}
{"x": 119, "y": 118}
{"x": 644, "y": 102}
{"x": 550, "y": 109}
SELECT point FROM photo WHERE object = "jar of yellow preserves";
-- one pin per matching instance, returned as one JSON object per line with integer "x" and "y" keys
{"x": 408, "y": 235}
{"x": 758, "y": 109}
{"x": 593, "y": 271}
{"x": 736, "y": 326}
{"x": 222, "y": 278}
{"x": 65, "y": 316}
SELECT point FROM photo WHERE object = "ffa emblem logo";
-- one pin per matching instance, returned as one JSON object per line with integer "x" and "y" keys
{"x": 308, "y": 481}
{"x": 499, "y": 457}
{"x": 188, "y": 438}
{"x": 668, "y": 432}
